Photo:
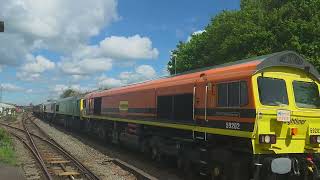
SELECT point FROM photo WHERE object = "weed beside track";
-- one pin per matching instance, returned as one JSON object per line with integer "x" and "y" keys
{"x": 7, "y": 152}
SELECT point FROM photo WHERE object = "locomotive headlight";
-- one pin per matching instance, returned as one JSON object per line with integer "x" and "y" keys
{"x": 267, "y": 139}
{"x": 315, "y": 139}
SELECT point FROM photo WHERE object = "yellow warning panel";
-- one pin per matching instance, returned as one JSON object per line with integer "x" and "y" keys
{"x": 123, "y": 106}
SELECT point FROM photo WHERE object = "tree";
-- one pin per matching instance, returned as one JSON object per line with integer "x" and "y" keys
{"x": 259, "y": 27}
{"x": 69, "y": 93}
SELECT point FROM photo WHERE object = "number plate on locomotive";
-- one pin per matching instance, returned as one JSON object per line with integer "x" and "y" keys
{"x": 314, "y": 131}
{"x": 283, "y": 115}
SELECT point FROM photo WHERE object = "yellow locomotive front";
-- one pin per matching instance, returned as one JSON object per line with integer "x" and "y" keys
{"x": 287, "y": 129}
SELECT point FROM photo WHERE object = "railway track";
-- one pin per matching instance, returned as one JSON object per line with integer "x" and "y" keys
{"x": 53, "y": 159}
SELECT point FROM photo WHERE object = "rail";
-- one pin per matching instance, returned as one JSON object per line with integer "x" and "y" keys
{"x": 89, "y": 175}
{"x": 140, "y": 174}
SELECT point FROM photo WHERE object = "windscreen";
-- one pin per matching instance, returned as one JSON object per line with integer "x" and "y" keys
{"x": 306, "y": 94}
{"x": 272, "y": 92}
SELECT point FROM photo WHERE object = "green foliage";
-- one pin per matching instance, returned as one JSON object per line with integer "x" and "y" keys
{"x": 69, "y": 93}
{"x": 7, "y": 153}
{"x": 259, "y": 27}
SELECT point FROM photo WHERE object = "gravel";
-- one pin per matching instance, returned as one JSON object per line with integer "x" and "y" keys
{"x": 97, "y": 162}
{"x": 26, "y": 162}
{"x": 25, "y": 159}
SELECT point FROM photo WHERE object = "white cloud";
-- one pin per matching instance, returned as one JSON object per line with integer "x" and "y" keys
{"x": 195, "y": 33}
{"x": 146, "y": 70}
{"x": 87, "y": 60}
{"x": 107, "y": 82}
{"x": 84, "y": 51}
{"x": 76, "y": 78}
{"x": 141, "y": 73}
{"x": 11, "y": 87}
{"x": 56, "y": 25}
{"x": 37, "y": 64}
{"x": 65, "y": 27}
{"x": 85, "y": 66}
{"x": 34, "y": 67}
{"x": 24, "y": 76}
{"x": 198, "y": 32}
{"x": 58, "y": 89}
{"x": 13, "y": 48}
{"x": 118, "y": 47}
{"x": 134, "y": 47}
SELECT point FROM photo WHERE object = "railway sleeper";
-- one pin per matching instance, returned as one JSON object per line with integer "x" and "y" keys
{"x": 59, "y": 162}
{"x": 69, "y": 173}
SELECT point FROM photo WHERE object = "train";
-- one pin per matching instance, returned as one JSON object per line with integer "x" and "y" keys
{"x": 257, "y": 118}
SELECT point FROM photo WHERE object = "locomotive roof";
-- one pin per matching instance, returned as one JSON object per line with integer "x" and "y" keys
{"x": 283, "y": 58}
{"x": 246, "y": 66}
{"x": 68, "y": 98}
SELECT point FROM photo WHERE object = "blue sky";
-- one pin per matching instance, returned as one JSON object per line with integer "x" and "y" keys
{"x": 127, "y": 41}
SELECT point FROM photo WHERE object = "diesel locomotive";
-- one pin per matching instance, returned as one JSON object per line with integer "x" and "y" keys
{"x": 257, "y": 118}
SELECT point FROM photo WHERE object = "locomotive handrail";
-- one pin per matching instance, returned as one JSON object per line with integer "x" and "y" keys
{"x": 205, "y": 104}
{"x": 193, "y": 103}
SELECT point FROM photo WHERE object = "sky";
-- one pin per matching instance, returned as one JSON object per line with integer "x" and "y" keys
{"x": 51, "y": 45}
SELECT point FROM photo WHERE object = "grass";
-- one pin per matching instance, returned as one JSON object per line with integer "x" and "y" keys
{"x": 7, "y": 152}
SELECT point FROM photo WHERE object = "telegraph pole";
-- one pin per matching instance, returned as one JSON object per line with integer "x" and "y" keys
{"x": 1, "y": 30}
{"x": 174, "y": 57}
{"x": 1, "y": 93}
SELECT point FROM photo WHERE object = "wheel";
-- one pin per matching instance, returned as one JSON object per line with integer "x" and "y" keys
{"x": 215, "y": 173}
{"x": 239, "y": 169}
{"x": 72, "y": 124}
{"x": 115, "y": 137}
{"x": 188, "y": 170}
{"x": 155, "y": 154}
{"x": 145, "y": 147}
{"x": 180, "y": 162}
{"x": 220, "y": 172}
{"x": 102, "y": 133}
{"x": 221, "y": 168}
{"x": 65, "y": 123}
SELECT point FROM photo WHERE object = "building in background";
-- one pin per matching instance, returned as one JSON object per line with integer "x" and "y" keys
{"x": 7, "y": 109}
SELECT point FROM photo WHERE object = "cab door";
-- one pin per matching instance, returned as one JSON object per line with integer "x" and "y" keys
{"x": 200, "y": 101}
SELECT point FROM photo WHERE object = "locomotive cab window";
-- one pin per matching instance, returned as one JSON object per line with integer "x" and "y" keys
{"x": 84, "y": 103}
{"x": 272, "y": 91}
{"x": 175, "y": 107}
{"x": 306, "y": 94}
{"x": 232, "y": 94}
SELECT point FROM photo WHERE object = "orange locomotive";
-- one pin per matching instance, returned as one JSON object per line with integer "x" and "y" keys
{"x": 222, "y": 121}
{"x": 185, "y": 99}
